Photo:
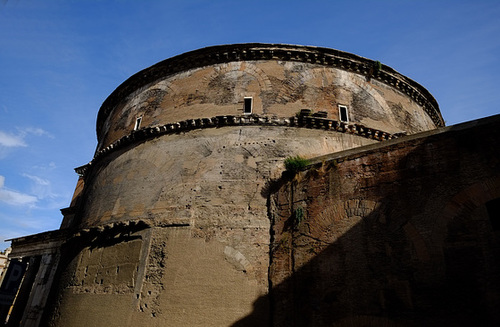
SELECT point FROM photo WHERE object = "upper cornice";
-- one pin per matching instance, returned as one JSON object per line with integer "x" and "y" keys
{"x": 257, "y": 51}
{"x": 184, "y": 126}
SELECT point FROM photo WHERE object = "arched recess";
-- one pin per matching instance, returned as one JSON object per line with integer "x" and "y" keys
{"x": 248, "y": 68}
{"x": 471, "y": 248}
{"x": 471, "y": 198}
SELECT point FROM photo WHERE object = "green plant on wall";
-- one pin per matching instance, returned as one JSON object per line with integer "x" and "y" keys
{"x": 375, "y": 68}
{"x": 284, "y": 243}
{"x": 295, "y": 164}
{"x": 298, "y": 216}
{"x": 304, "y": 113}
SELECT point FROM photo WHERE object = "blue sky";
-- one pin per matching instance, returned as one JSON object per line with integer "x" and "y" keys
{"x": 59, "y": 60}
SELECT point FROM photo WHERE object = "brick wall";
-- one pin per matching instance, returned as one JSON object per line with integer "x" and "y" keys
{"x": 394, "y": 234}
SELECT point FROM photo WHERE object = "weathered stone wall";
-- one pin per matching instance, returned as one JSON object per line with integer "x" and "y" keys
{"x": 179, "y": 178}
{"x": 281, "y": 79}
{"x": 392, "y": 235}
{"x": 278, "y": 88}
{"x": 160, "y": 276}
{"x": 170, "y": 223}
{"x": 203, "y": 195}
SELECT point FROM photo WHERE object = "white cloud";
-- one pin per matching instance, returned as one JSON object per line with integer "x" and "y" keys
{"x": 41, "y": 188}
{"x": 37, "y": 180}
{"x": 51, "y": 166}
{"x": 9, "y": 140}
{"x": 16, "y": 140}
{"x": 34, "y": 131}
{"x": 15, "y": 198}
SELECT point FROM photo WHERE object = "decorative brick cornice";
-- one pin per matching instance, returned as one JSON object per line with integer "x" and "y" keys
{"x": 245, "y": 120}
{"x": 257, "y": 51}
{"x": 112, "y": 230}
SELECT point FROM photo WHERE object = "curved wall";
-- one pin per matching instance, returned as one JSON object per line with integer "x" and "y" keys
{"x": 280, "y": 79}
{"x": 203, "y": 195}
{"x": 174, "y": 177}
{"x": 174, "y": 227}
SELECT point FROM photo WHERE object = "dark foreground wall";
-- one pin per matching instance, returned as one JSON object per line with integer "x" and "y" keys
{"x": 401, "y": 234}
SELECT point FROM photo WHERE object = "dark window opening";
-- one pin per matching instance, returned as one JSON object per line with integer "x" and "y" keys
{"x": 343, "y": 114}
{"x": 493, "y": 208}
{"x": 248, "y": 106}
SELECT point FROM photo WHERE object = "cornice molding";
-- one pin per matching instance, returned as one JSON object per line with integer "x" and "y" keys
{"x": 229, "y": 120}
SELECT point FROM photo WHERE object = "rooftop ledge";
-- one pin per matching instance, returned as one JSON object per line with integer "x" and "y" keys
{"x": 243, "y": 120}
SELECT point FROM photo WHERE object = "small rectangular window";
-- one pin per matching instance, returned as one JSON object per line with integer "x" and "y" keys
{"x": 247, "y": 106}
{"x": 137, "y": 123}
{"x": 343, "y": 114}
